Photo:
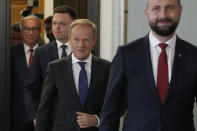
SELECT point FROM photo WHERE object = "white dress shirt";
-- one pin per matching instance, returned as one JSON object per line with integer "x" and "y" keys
{"x": 27, "y": 52}
{"x": 76, "y": 69}
{"x": 68, "y": 48}
{"x": 155, "y": 51}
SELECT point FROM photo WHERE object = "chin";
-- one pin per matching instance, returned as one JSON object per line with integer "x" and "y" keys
{"x": 81, "y": 57}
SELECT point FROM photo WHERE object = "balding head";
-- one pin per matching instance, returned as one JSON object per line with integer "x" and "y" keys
{"x": 179, "y": 3}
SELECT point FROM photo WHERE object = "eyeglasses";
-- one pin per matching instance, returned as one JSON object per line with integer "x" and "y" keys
{"x": 33, "y": 29}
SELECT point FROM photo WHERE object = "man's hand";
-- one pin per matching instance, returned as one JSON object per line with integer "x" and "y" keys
{"x": 85, "y": 120}
{"x": 34, "y": 121}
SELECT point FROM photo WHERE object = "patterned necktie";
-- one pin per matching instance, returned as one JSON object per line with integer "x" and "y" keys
{"x": 63, "y": 50}
{"x": 162, "y": 73}
{"x": 83, "y": 83}
{"x": 31, "y": 56}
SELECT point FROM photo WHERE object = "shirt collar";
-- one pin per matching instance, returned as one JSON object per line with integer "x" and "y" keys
{"x": 59, "y": 44}
{"x": 88, "y": 60}
{"x": 154, "y": 42}
{"x": 26, "y": 47}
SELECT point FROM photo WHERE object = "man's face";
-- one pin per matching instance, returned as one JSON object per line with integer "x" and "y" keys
{"x": 60, "y": 26}
{"x": 48, "y": 30}
{"x": 163, "y": 16}
{"x": 16, "y": 37}
{"x": 30, "y": 31}
{"x": 82, "y": 41}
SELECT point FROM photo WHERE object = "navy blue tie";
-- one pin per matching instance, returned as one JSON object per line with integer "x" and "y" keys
{"x": 83, "y": 83}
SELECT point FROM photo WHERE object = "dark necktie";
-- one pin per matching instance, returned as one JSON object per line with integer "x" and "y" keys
{"x": 162, "y": 73}
{"x": 83, "y": 83}
{"x": 31, "y": 56}
{"x": 63, "y": 51}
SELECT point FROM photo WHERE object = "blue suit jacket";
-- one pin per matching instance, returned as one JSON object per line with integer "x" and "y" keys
{"x": 36, "y": 74}
{"x": 132, "y": 85}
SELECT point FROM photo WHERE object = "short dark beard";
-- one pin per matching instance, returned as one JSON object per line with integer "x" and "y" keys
{"x": 164, "y": 31}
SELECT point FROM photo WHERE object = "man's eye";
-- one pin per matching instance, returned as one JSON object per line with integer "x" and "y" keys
{"x": 53, "y": 23}
{"x": 62, "y": 24}
{"x": 156, "y": 9}
{"x": 171, "y": 7}
{"x": 76, "y": 40}
{"x": 86, "y": 41}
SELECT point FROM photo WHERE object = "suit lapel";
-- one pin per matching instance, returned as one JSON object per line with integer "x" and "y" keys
{"x": 148, "y": 69}
{"x": 23, "y": 57}
{"x": 94, "y": 74}
{"x": 176, "y": 69}
{"x": 69, "y": 78}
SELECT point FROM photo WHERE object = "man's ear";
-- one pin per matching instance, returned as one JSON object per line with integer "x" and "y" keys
{"x": 145, "y": 11}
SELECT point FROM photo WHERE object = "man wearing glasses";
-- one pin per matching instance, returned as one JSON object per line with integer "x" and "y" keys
{"x": 21, "y": 57}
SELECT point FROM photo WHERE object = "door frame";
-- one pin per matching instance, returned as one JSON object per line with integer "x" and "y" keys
{"x": 5, "y": 65}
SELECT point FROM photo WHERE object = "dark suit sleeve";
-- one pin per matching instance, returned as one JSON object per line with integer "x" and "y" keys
{"x": 46, "y": 102}
{"x": 33, "y": 87}
{"x": 114, "y": 104}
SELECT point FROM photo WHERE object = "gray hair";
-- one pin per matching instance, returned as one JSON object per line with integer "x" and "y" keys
{"x": 85, "y": 22}
{"x": 30, "y": 17}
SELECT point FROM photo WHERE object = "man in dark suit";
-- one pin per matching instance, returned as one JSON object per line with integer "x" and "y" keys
{"x": 155, "y": 83}
{"x": 78, "y": 82}
{"x": 62, "y": 18}
{"x": 21, "y": 56}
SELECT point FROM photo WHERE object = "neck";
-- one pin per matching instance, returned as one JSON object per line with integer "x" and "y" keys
{"x": 63, "y": 41}
{"x": 163, "y": 39}
{"x": 31, "y": 45}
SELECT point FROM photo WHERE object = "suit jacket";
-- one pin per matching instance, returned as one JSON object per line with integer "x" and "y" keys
{"x": 19, "y": 69}
{"x": 36, "y": 74}
{"x": 59, "y": 83}
{"x": 132, "y": 80}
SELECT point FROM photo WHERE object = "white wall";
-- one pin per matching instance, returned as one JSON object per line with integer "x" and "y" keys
{"x": 111, "y": 27}
{"x": 137, "y": 24}
{"x": 48, "y": 10}
{"x": 106, "y": 29}
{"x": 188, "y": 25}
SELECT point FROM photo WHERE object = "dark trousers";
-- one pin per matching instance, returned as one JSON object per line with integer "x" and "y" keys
{"x": 25, "y": 127}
